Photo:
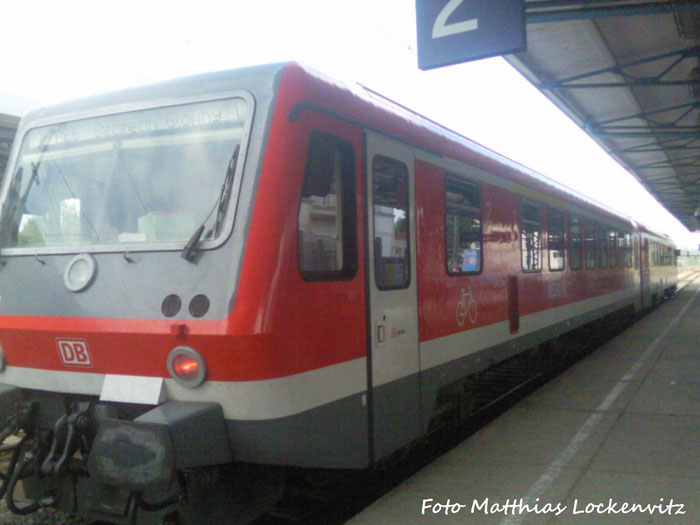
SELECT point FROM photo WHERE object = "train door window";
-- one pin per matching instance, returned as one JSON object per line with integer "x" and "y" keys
{"x": 463, "y": 233}
{"x": 531, "y": 237}
{"x": 555, "y": 239}
{"x": 635, "y": 250}
{"x": 589, "y": 248}
{"x": 575, "y": 246}
{"x": 326, "y": 221}
{"x": 602, "y": 247}
{"x": 628, "y": 250}
{"x": 391, "y": 229}
{"x": 612, "y": 254}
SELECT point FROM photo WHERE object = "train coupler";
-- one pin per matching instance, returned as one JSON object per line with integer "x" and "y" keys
{"x": 144, "y": 454}
{"x": 68, "y": 436}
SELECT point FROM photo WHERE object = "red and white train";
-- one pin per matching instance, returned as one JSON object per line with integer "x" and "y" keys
{"x": 210, "y": 279}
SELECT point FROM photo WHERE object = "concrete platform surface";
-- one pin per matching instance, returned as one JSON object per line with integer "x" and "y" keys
{"x": 613, "y": 440}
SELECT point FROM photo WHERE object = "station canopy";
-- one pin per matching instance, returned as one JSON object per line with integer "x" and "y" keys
{"x": 628, "y": 73}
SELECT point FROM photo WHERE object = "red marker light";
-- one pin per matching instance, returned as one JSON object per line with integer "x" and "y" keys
{"x": 186, "y": 366}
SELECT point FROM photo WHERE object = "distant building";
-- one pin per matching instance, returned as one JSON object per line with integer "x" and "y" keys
{"x": 8, "y": 127}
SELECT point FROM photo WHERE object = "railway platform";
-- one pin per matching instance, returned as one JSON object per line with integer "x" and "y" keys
{"x": 615, "y": 439}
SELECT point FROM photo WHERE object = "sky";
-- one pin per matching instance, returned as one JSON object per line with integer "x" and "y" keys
{"x": 63, "y": 50}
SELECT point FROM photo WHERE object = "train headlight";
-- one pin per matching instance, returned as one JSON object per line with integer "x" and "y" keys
{"x": 186, "y": 366}
{"x": 80, "y": 272}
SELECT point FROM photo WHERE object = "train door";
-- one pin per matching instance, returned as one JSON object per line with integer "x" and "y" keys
{"x": 644, "y": 275}
{"x": 393, "y": 309}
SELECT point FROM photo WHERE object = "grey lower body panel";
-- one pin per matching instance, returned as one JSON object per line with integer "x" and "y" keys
{"x": 334, "y": 435}
{"x": 339, "y": 434}
{"x": 435, "y": 378}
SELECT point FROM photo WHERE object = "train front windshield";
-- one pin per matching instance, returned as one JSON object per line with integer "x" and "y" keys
{"x": 149, "y": 176}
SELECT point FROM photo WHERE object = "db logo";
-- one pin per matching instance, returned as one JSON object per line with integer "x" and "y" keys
{"x": 74, "y": 352}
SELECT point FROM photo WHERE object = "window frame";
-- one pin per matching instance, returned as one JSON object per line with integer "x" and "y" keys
{"x": 629, "y": 263}
{"x": 562, "y": 242}
{"x": 205, "y": 244}
{"x": 602, "y": 245}
{"x": 613, "y": 254}
{"x": 348, "y": 193}
{"x": 533, "y": 204}
{"x": 409, "y": 270}
{"x": 451, "y": 178}
{"x": 588, "y": 226}
{"x": 571, "y": 244}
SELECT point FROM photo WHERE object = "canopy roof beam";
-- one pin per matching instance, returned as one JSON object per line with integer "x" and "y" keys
{"x": 564, "y": 10}
{"x": 629, "y": 80}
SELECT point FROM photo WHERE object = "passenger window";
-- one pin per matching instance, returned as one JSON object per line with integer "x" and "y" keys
{"x": 635, "y": 247}
{"x": 590, "y": 238}
{"x": 326, "y": 221}
{"x": 612, "y": 256}
{"x": 646, "y": 253}
{"x": 555, "y": 239}
{"x": 602, "y": 247}
{"x": 462, "y": 227}
{"x": 575, "y": 246}
{"x": 621, "y": 249}
{"x": 392, "y": 269}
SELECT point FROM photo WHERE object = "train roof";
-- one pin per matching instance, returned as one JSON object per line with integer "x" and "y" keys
{"x": 377, "y": 111}
{"x": 660, "y": 236}
{"x": 350, "y": 101}
{"x": 257, "y": 77}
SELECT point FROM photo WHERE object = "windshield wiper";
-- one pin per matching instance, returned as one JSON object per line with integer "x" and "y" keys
{"x": 188, "y": 253}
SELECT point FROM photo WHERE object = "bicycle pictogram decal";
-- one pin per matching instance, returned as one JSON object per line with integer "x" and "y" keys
{"x": 466, "y": 307}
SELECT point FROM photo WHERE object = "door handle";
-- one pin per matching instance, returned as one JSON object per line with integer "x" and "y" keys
{"x": 381, "y": 333}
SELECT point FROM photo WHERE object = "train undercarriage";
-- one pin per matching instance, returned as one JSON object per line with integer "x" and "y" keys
{"x": 128, "y": 465}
